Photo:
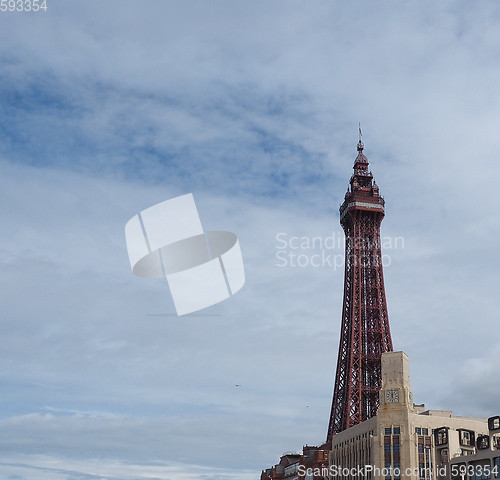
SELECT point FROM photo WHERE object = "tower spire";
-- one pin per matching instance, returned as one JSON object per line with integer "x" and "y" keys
{"x": 365, "y": 332}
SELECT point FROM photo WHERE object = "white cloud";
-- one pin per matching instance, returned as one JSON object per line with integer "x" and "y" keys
{"x": 110, "y": 108}
{"x": 472, "y": 386}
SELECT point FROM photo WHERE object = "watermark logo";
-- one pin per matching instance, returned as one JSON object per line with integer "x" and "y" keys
{"x": 317, "y": 251}
{"x": 367, "y": 471}
{"x": 168, "y": 241}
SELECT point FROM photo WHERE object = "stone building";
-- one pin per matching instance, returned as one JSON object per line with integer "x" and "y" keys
{"x": 400, "y": 441}
{"x": 455, "y": 449}
{"x": 300, "y": 465}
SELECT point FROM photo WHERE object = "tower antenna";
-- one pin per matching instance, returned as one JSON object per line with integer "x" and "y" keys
{"x": 360, "y": 143}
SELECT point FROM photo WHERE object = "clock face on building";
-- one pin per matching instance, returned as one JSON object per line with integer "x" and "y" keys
{"x": 392, "y": 396}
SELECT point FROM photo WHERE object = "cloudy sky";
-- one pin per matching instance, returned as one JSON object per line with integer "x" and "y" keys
{"x": 107, "y": 108}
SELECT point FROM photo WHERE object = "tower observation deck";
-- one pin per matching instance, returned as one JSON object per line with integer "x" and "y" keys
{"x": 365, "y": 332}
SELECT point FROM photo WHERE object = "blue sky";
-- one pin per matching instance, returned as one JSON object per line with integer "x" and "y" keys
{"x": 107, "y": 108}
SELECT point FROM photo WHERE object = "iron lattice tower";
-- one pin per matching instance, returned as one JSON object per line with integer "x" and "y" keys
{"x": 365, "y": 332}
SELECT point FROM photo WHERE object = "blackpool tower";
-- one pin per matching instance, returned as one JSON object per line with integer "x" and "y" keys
{"x": 365, "y": 332}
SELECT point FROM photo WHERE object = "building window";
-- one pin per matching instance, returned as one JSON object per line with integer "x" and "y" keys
{"x": 496, "y": 467}
{"x": 494, "y": 423}
{"x": 397, "y": 470}
{"x": 467, "y": 438}
{"x": 479, "y": 471}
{"x": 428, "y": 455}
{"x": 421, "y": 469}
{"x": 458, "y": 471}
{"x": 388, "y": 470}
{"x": 483, "y": 442}
{"x": 397, "y": 430}
{"x": 395, "y": 448}
{"x": 441, "y": 435}
{"x": 420, "y": 448}
{"x": 388, "y": 430}
{"x": 418, "y": 430}
{"x": 425, "y": 431}
{"x": 387, "y": 448}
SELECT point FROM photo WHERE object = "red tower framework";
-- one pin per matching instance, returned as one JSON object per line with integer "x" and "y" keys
{"x": 365, "y": 332}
